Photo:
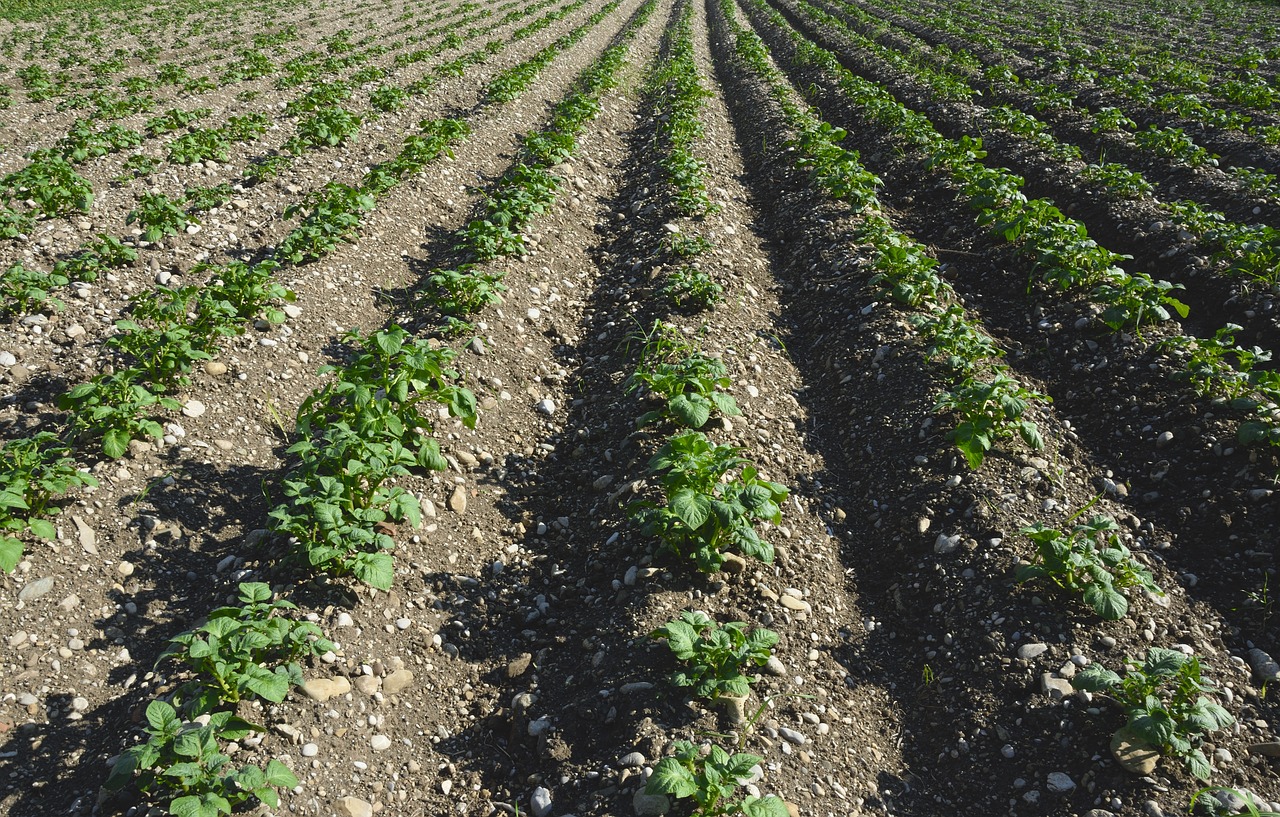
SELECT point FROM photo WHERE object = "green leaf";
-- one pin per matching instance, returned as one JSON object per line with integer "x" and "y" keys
{"x": 693, "y": 508}
{"x": 162, "y": 717}
{"x": 255, "y": 591}
{"x": 10, "y": 553}
{"x": 670, "y": 777}
{"x": 280, "y": 775}
{"x": 770, "y": 806}
{"x": 1106, "y": 601}
{"x": 266, "y": 684}
{"x": 691, "y": 410}
{"x": 115, "y": 443}
{"x": 1095, "y": 678}
{"x": 122, "y": 772}
{"x": 43, "y": 528}
{"x": 374, "y": 569}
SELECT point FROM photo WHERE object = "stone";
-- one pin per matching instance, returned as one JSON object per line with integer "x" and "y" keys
{"x": 733, "y": 563}
{"x": 215, "y": 367}
{"x": 631, "y": 760}
{"x": 945, "y": 544}
{"x": 774, "y": 666}
{"x": 1060, "y": 783}
{"x": 396, "y": 681}
{"x": 1055, "y": 687}
{"x": 518, "y": 665}
{"x": 310, "y": 750}
{"x": 1267, "y": 670}
{"x": 1133, "y": 755}
{"x": 125, "y": 569}
{"x": 650, "y": 805}
{"x": 88, "y": 538}
{"x": 1028, "y": 651}
{"x": 380, "y": 743}
{"x": 354, "y": 807}
{"x": 546, "y": 406}
{"x": 367, "y": 684}
{"x": 193, "y": 409}
{"x": 798, "y": 605}
{"x": 540, "y": 802}
{"x": 35, "y": 589}
{"x": 322, "y": 689}
{"x": 1269, "y": 749}
{"x": 734, "y": 709}
{"x": 792, "y": 736}
{"x": 458, "y": 500}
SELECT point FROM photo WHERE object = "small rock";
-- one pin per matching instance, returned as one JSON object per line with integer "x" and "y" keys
{"x": 35, "y": 589}
{"x": 310, "y": 750}
{"x": 193, "y": 408}
{"x": 354, "y": 807}
{"x": 602, "y": 483}
{"x": 1028, "y": 651}
{"x": 368, "y": 684}
{"x": 215, "y": 367}
{"x": 125, "y": 569}
{"x": 1055, "y": 687}
{"x": 476, "y": 345}
{"x": 1269, "y": 749}
{"x": 775, "y": 667}
{"x": 1267, "y": 670}
{"x": 1164, "y": 439}
{"x": 792, "y": 736}
{"x": 1133, "y": 755}
{"x": 798, "y": 605}
{"x": 1060, "y": 783}
{"x": 518, "y": 665}
{"x": 88, "y": 538}
{"x": 344, "y": 620}
{"x": 733, "y": 563}
{"x": 546, "y": 406}
{"x": 734, "y": 709}
{"x": 540, "y": 802}
{"x": 380, "y": 743}
{"x": 650, "y": 805}
{"x": 322, "y": 689}
{"x": 397, "y": 681}
{"x": 458, "y": 500}
{"x": 945, "y": 544}
{"x": 631, "y": 760}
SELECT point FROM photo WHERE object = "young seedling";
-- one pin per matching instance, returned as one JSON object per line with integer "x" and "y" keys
{"x": 715, "y": 655}
{"x": 1089, "y": 560}
{"x": 710, "y": 779}
{"x": 1164, "y": 701}
{"x": 227, "y": 655}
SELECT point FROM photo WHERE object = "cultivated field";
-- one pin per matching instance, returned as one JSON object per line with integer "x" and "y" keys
{"x": 568, "y": 407}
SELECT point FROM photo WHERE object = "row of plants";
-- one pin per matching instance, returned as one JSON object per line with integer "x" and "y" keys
{"x": 1251, "y": 250}
{"x": 988, "y": 400}
{"x": 1164, "y": 698}
{"x": 1067, "y": 258}
{"x": 514, "y": 81}
{"x": 677, "y": 94}
{"x": 1064, "y": 255}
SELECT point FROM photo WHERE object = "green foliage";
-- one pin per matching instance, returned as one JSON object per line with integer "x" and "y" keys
{"x": 327, "y": 127}
{"x": 83, "y": 142}
{"x": 715, "y": 654}
{"x": 990, "y": 410}
{"x": 691, "y": 287}
{"x": 465, "y": 290}
{"x": 23, "y": 290}
{"x": 182, "y": 762}
{"x": 96, "y": 257}
{"x": 686, "y": 380}
{"x": 33, "y": 472}
{"x": 200, "y": 199}
{"x": 710, "y": 779}
{"x": 158, "y": 216}
{"x": 334, "y": 217}
{"x": 228, "y": 653}
{"x": 51, "y": 183}
{"x": 115, "y": 407}
{"x": 1090, "y": 561}
{"x": 1164, "y": 701}
{"x": 205, "y": 144}
{"x": 707, "y": 512}
{"x": 1209, "y": 365}
{"x": 1136, "y": 299}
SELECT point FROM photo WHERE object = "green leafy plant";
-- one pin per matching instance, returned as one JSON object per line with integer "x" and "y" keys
{"x": 988, "y": 411}
{"x": 1135, "y": 299}
{"x": 114, "y": 407}
{"x": 33, "y": 472}
{"x": 1090, "y": 561}
{"x": 1211, "y": 805}
{"x": 1164, "y": 699}
{"x": 689, "y": 384}
{"x": 200, "y": 199}
{"x": 230, "y": 653}
{"x": 333, "y": 216}
{"x": 327, "y": 127}
{"x": 710, "y": 780}
{"x": 51, "y": 183}
{"x": 23, "y": 289}
{"x": 715, "y": 654}
{"x": 689, "y": 286}
{"x": 183, "y": 763}
{"x": 158, "y": 216}
{"x": 206, "y": 144}
{"x": 704, "y": 513}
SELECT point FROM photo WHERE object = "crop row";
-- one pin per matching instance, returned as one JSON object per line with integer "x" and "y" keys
{"x": 1063, "y": 254}
{"x": 368, "y": 426}
{"x": 1164, "y": 696}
